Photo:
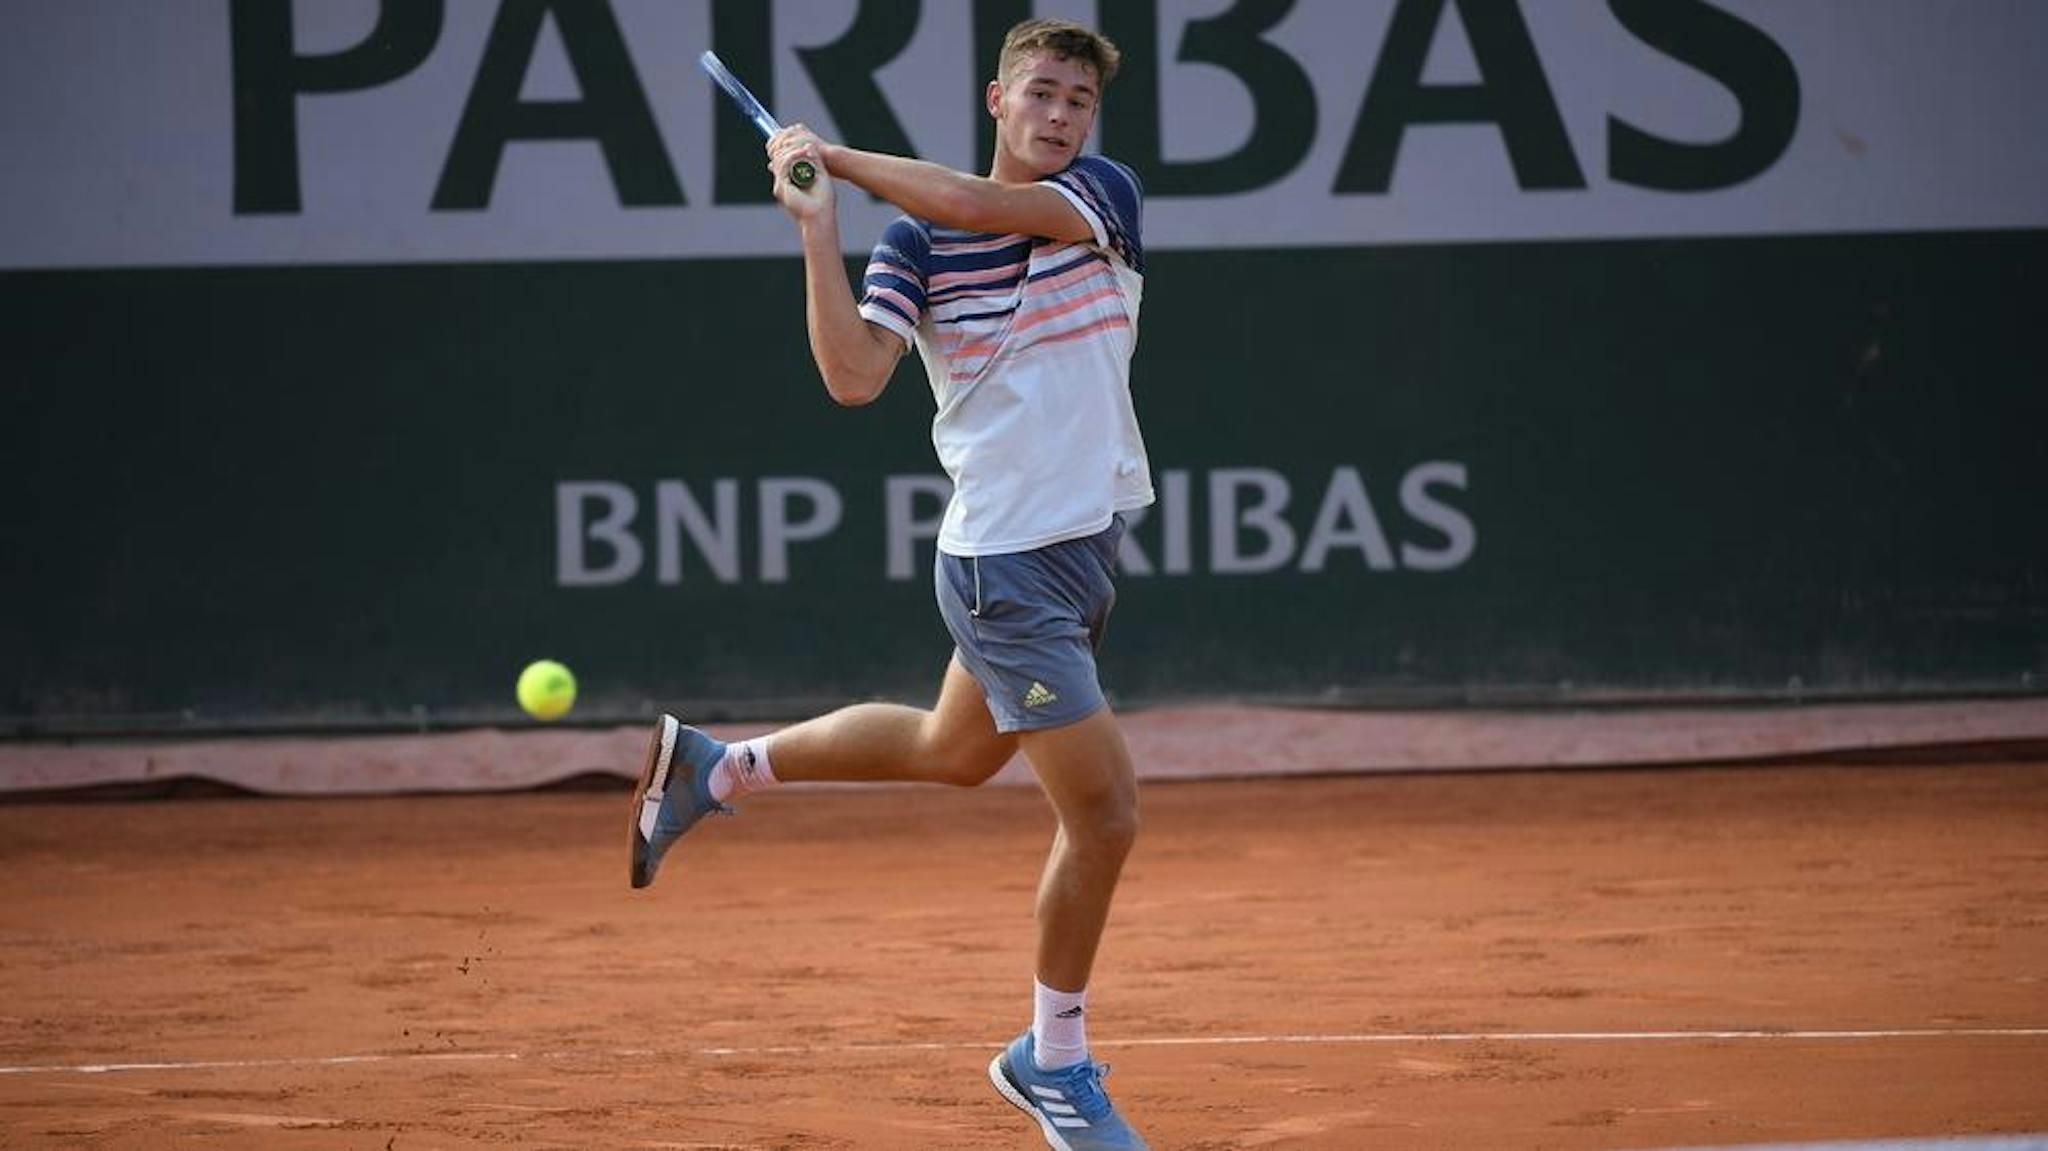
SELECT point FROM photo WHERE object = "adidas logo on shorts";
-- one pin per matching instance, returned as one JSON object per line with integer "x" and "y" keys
{"x": 1039, "y": 696}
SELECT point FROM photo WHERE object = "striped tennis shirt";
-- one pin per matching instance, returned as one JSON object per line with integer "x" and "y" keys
{"x": 1027, "y": 343}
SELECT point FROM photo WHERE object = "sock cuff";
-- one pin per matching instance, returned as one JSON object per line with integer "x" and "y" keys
{"x": 1059, "y": 1026}
{"x": 1058, "y": 1001}
{"x": 742, "y": 770}
{"x": 750, "y": 766}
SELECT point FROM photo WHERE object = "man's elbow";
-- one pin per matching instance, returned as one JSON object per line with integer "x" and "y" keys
{"x": 852, "y": 389}
{"x": 856, "y": 370}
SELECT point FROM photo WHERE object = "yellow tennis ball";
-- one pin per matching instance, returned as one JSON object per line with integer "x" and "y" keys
{"x": 547, "y": 690}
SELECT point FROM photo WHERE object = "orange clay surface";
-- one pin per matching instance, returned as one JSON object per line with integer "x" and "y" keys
{"x": 1406, "y": 961}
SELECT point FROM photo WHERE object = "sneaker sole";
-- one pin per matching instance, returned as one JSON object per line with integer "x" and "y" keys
{"x": 661, "y": 750}
{"x": 1015, "y": 1096}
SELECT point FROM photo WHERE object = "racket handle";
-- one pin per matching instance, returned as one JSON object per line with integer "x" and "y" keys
{"x": 803, "y": 174}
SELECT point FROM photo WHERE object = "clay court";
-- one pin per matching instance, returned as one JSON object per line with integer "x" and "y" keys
{"x": 1567, "y": 959}
{"x": 1568, "y": 476}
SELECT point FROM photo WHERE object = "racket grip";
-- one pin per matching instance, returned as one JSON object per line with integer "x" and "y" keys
{"x": 803, "y": 174}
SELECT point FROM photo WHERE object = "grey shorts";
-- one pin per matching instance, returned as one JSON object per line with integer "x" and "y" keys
{"x": 1026, "y": 626}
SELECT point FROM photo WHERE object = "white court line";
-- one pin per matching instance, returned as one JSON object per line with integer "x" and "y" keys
{"x": 1185, "y": 1041}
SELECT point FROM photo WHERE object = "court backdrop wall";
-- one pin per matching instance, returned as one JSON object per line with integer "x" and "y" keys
{"x": 359, "y": 352}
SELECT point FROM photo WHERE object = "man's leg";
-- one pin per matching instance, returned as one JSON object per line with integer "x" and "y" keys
{"x": 688, "y": 775}
{"x": 1086, "y": 772}
{"x": 956, "y": 742}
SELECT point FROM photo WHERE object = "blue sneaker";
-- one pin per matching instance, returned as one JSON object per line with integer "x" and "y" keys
{"x": 661, "y": 812}
{"x": 1068, "y": 1102}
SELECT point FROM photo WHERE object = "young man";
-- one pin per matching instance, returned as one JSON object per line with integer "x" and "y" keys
{"x": 1020, "y": 292}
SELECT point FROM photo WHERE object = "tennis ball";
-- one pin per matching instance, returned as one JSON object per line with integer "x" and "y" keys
{"x": 547, "y": 690}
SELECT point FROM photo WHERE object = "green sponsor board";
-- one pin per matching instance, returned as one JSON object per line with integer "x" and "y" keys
{"x": 1545, "y": 471}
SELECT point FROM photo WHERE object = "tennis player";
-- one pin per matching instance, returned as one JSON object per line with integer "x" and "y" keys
{"x": 1020, "y": 292}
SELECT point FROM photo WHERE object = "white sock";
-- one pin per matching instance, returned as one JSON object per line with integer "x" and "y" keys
{"x": 1059, "y": 1026}
{"x": 743, "y": 771}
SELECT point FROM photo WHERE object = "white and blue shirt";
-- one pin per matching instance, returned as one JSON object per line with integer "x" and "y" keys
{"x": 1027, "y": 343}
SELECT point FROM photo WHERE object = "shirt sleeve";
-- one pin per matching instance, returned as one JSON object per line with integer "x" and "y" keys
{"x": 893, "y": 289}
{"x": 1112, "y": 200}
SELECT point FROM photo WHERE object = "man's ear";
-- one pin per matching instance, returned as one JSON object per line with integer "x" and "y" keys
{"x": 994, "y": 99}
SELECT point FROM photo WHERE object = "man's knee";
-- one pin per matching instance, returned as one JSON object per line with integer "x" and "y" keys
{"x": 962, "y": 759}
{"x": 1107, "y": 824}
{"x": 969, "y": 769}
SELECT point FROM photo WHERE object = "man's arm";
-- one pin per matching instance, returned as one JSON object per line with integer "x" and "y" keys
{"x": 957, "y": 200}
{"x": 945, "y": 197}
{"x": 855, "y": 358}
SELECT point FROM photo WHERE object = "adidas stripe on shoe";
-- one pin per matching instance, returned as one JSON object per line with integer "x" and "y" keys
{"x": 1072, "y": 1110}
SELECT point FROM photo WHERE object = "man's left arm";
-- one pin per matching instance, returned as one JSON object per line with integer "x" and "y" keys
{"x": 945, "y": 197}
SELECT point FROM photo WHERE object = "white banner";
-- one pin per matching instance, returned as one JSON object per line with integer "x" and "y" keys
{"x": 208, "y": 132}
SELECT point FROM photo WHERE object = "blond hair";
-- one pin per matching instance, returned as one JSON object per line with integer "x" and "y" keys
{"x": 1066, "y": 40}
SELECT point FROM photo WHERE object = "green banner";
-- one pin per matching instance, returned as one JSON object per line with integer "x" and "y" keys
{"x": 368, "y": 495}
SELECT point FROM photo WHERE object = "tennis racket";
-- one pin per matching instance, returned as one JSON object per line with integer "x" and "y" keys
{"x": 802, "y": 173}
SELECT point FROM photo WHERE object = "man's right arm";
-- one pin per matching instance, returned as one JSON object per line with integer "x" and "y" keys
{"x": 855, "y": 357}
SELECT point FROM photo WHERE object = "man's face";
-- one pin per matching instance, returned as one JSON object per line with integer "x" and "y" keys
{"x": 1043, "y": 108}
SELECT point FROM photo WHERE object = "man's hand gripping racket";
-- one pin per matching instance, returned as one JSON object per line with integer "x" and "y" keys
{"x": 803, "y": 173}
